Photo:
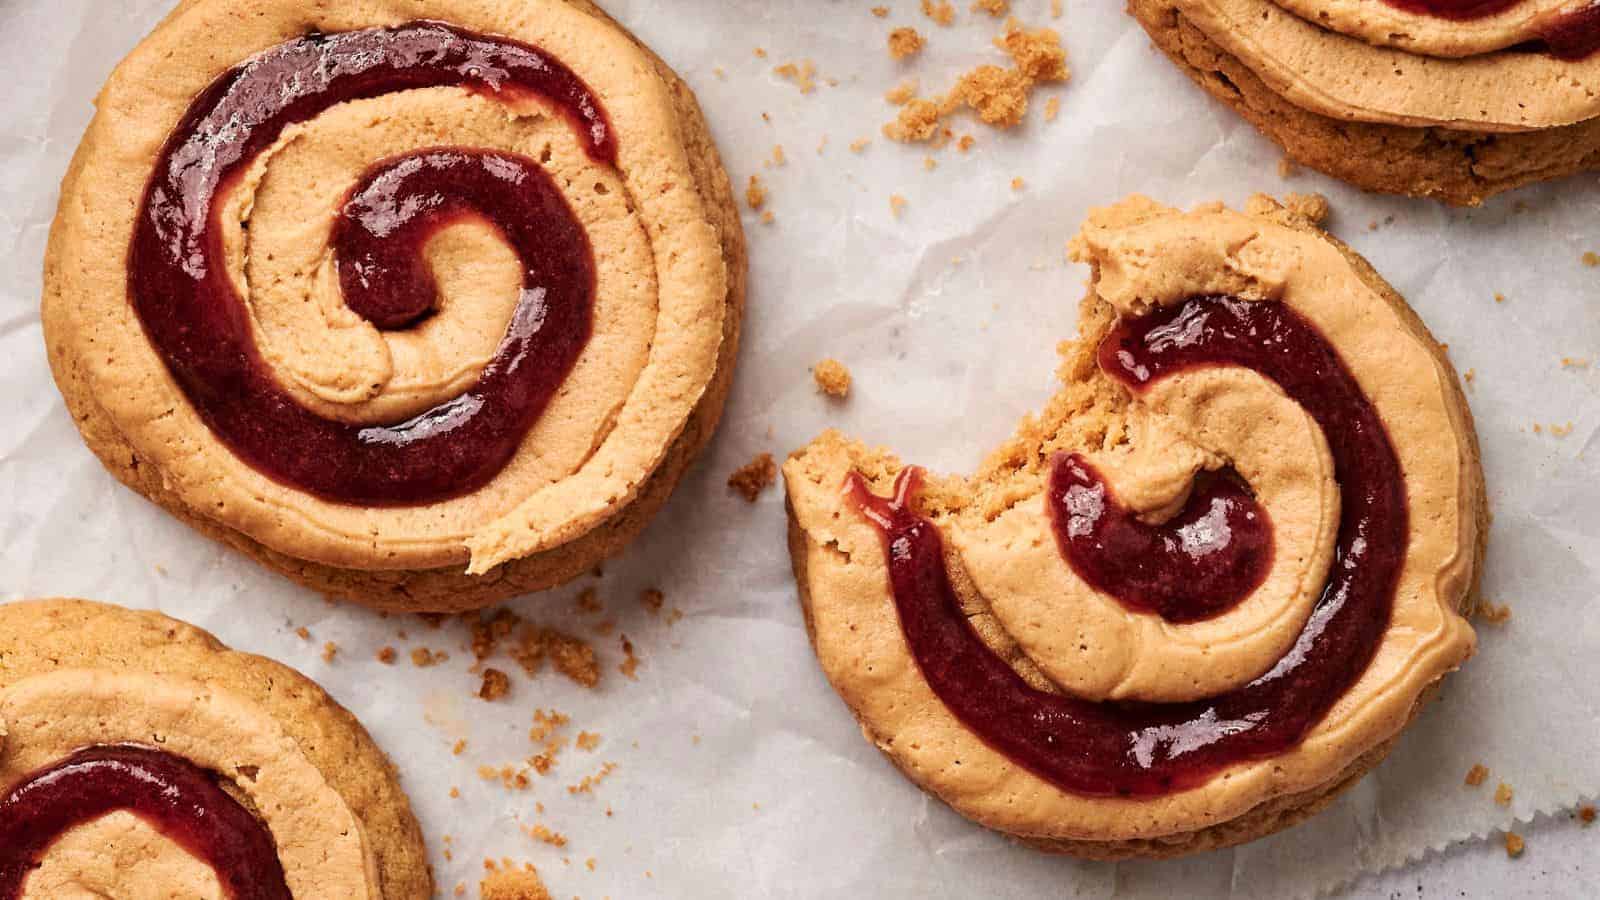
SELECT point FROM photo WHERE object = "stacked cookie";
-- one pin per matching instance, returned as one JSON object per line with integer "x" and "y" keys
{"x": 1451, "y": 99}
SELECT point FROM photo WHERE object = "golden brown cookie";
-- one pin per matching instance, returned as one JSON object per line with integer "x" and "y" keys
{"x": 94, "y": 698}
{"x": 1199, "y": 594}
{"x": 1390, "y": 100}
{"x": 443, "y": 327}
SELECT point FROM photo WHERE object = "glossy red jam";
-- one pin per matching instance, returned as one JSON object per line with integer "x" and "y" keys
{"x": 1570, "y": 35}
{"x": 199, "y": 325}
{"x": 1150, "y": 749}
{"x": 174, "y": 796}
{"x": 1196, "y": 565}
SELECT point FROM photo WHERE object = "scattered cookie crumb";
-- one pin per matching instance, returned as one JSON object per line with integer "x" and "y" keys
{"x": 966, "y": 143}
{"x": 387, "y": 656}
{"x": 1499, "y": 298}
{"x": 572, "y": 657}
{"x": 754, "y": 477}
{"x": 902, "y": 93}
{"x": 1287, "y": 168}
{"x": 303, "y": 633}
{"x": 589, "y": 782}
{"x": 329, "y": 651}
{"x": 832, "y": 378}
{"x": 1561, "y": 430}
{"x": 930, "y": 163}
{"x": 653, "y": 600}
{"x": 881, "y": 12}
{"x": 588, "y": 601}
{"x": 1494, "y": 613}
{"x": 761, "y": 53}
{"x": 630, "y": 663}
{"x": 1575, "y": 362}
{"x": 1056, "y": 7}
{"x": 767, "y": 218}
{"x": 1311, "y": 207}
{"x": 1018, "y": 184}
{"x": 1515, "y": 844}
{"x": 459, "y": 747}
{"x": 802, "y": 74}
{"x": 541, "y": 833}
{"x": 1052, "y": 108}
{"x": 897, "y": 204}
{"x": 1470, "y": 376}
{"x": 495, "y": 685}
{"x": 778, "y": 160}
{"x": 422, "y": 657}
{"x": 859, "y": 144}
{"x": 1477, "y": 774}
{"x": 1503, "y": 794}
{"x": 1591, "y": 259}
{"x": 905, "y": 42}
{"x": 587, "y": 741}
{"x": 1586, "y": 814}
{"x": 996, "y": 8}
{"x": 939, "y": 11}
{"x": 756, "y": 193}
{"x": 511, "y": 884}
{"x": 999, "y": 96}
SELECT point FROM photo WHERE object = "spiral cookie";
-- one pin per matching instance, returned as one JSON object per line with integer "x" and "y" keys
{"x": 141, "y": 758}
{"x": 424, "y": 303}
{"x": 1197, "y": 596}
{"x": 1451, "y": 99}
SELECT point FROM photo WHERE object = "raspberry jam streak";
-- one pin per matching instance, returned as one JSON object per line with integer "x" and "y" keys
{"x": 1150, "y": 749}
{"x": 197, "y": 323}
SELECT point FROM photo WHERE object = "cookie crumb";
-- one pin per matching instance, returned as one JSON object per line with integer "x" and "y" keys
{"x": 902, "y": 93}
{"x": 653, "y": 600}
{"x": 779, "y": 160}
{"x": 422, "y": 657}
{"x": 589, "y": 601}
{"x": 1586, "y": 814}
{"x": 996, "y": 8}
{"x": 545, "y": 835}
{"x": 1515, "y": 844}
{"x": 1311, "y": 207}
{"x": 1477, "y": 774}
{"x": 939, "y": 11}
{"x": 495, "y": 685}
{"x": 303, "y": 632}
{"x": 1018, "y": 184}
{"x": 1502, "y": 795}
{"x": 459, "y": 747}
{"x": 832, "y": 378}
{"x": 767, "y": 218}
{"x": 802, "y": 74}
{"x": 756, "y": 193}
{"x": 1052, "y": 108}
{"x": 1591, "y": 259}
{"x": 329, "y": 651}
{"x": 572, "y": 657}
{"x": 511, "y": 884}
{"x": 754, "y": 477}
{"x": 1287, "y": 168}
{"x": 587, "y": 741}
{"x": 881, "y": 12}
{"x": 859, "y": 144}
{"x": 630, "y": 663}
{"x": 897, "y": 204}
{"x": 590, "y": 782}
{"x": 387, "y": 656}
{"x": 1494, "y": 613}
{"x": 905, "y": 42}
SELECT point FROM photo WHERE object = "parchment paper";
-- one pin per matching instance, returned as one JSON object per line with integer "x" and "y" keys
{"x": 740, "y": 774}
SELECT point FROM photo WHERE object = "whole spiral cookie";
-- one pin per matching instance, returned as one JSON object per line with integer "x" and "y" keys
{"x": 141, "y": 758}
{"x": 1198, "y": 595}
{"x": 423, "y": 303}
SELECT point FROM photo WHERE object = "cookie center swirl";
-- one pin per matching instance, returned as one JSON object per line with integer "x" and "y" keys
{"x": 1197, "y": 565}
{"x": 194, "y": 318}
{"x": 1148, "y": 749}
{"x": 176, "y": 797}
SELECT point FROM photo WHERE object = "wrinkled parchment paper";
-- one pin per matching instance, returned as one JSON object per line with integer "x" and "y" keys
{"x": 739, "y": 773}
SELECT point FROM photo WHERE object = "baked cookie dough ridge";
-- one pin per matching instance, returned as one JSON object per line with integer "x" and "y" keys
{"x": 700, "y": 260}
{"x": 47, "y": 646}
{"x": 1345, "y": 78}
{"x": 853, "y": 626}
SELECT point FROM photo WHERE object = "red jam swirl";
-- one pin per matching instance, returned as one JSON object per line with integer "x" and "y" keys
{"x": 176, "y": 797}
{"x": 1133, "y": 749}
{"x": 197, "y": 323}
{"x": 1196, "y": 565}
{"x": 1571, "y": 34}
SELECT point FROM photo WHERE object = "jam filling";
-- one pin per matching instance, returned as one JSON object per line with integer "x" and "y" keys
{"x": 1571, "y": 34}
{"x": 198, "y": 324}
{"x": 1150, "y": 749}
{"x": 177, "y": 798}
{"x": 1198, "y": 564}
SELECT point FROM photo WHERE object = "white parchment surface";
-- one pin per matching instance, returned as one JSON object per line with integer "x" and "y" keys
{"x": 739, "y": 773}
